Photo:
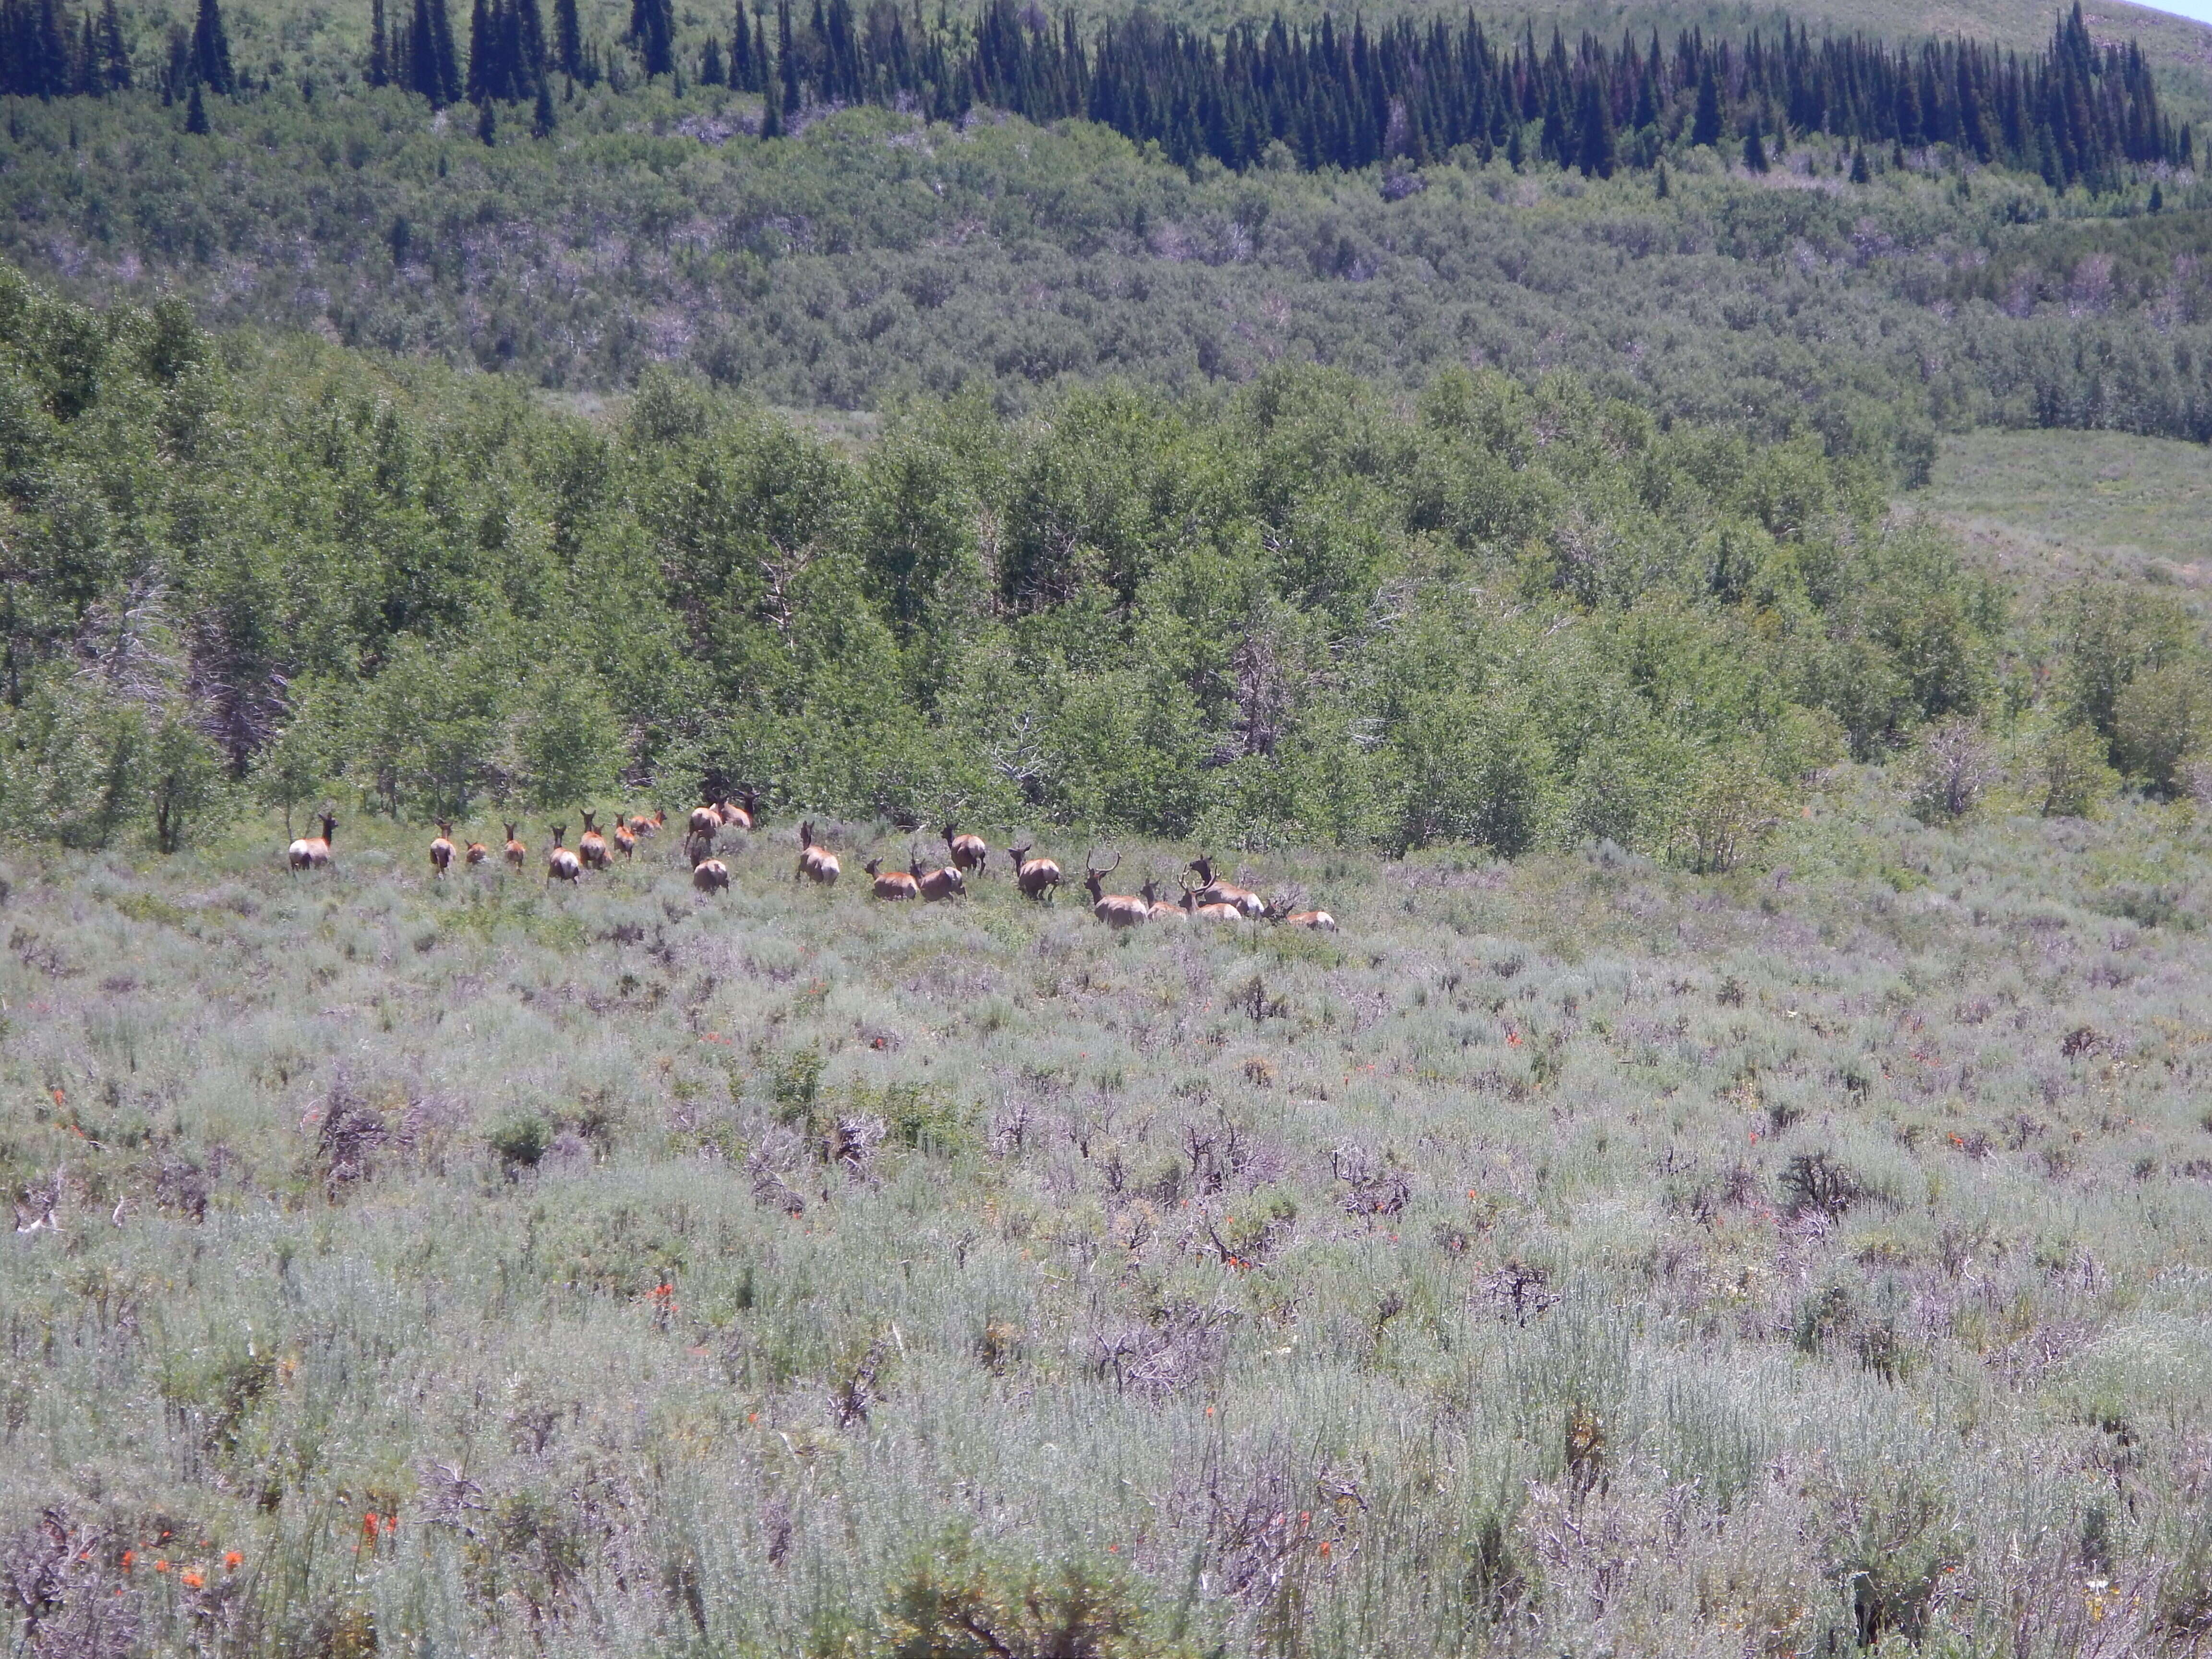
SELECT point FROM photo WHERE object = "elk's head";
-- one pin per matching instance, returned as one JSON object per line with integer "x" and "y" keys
{"x": 1093, "y": 875}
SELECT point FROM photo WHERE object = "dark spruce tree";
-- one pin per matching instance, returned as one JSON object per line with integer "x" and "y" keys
{"x": 196, "y": 115}
{"x": 711, "y": 73}
{"x": 568, "y": 39}
{"x": 211, "y": 51}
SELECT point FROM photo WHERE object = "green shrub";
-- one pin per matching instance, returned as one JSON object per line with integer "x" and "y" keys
{"x": 960, "y": 1601}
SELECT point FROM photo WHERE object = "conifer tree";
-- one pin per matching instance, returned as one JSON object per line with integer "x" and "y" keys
{"x": 545, "y": 121}
{"x": 196, "y": 115}
{"x": 379, "y": 46}
{"x": 568, "y": 39}
{"x": 711, "y": 73}
{"x": 211, "y": 49}
{"x": 115, "y": 55}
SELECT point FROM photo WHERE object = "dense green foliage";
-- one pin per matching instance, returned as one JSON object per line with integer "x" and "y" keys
{"x": 1513, "y": 618}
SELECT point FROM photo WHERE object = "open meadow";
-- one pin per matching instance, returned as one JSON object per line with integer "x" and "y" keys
{"x": 1574, "y": 1256}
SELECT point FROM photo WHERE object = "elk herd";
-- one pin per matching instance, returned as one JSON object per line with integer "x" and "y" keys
{"x": 1211, "y": 899}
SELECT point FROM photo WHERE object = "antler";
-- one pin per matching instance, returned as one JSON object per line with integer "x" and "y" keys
{"x": 1108, "y": 870}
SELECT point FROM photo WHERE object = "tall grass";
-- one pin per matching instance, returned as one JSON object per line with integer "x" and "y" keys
{"x": 1569, "y": 1256}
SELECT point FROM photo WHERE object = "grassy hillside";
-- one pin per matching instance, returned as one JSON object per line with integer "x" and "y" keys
{"x": 1565, "y": 1256}
{"x": 2051, "y": 506}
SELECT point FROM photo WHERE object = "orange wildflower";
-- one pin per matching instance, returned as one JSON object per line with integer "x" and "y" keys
{"x": 161, "y": 1566}
{"x": 231, "y": 1560}
{"x": 130, "y": 1559}
{"x": 193, "y": 1580}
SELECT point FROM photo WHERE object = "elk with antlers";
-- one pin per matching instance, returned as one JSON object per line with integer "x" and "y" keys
{"x": 1036, "y": 877}
{"x": 592, "y": 846}
{"x": 817, "y": 863}
{"x": 312, "y": 851}
{"x": 741, "y": 814}
{"x": 1115, "y": 910}
{"x": 1211, "y": 892}
{"x": 441, "y": 849}
{"x": 967, "y": 851}
{"x": 1320, "y": 921}
{"x": 516, "y": 852}
{"x": 1198, "y": 911}
{"x": 560, "y": 864}
{"x": 894, "y": 883}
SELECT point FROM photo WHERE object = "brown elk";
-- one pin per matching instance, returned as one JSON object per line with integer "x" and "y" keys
{"x": 516, "y": 852}
{"x": 1218, "y": 911}
{"x": 1115, "y": 910}
{"x": 625, "y": 837}
{"x": 744, "y": 813}
{"x": 1211, "y": 892}
{"x": 1162, "y": 910}
{"x": 312, "y": 851}
{"x": 1036, "y": 877}
{"x": 592, "y": 846}
{"x": 478, "y": 852}
{"x": 893, "y": 883}
{"x": 817, "y": 863}
{"x": 967, "y": 851}
{"x": 560, "y": 864}
{"x": 441, "y": 849}
{"x": 641, "y": 826}
{"x": 1320, "y": 921}
{"x": 710, "y": 876}
{"x": 944, "y": 883}
{"x": 705, "y": 819}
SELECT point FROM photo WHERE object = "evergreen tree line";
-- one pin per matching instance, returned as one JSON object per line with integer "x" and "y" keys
{"x": 46, "y": 51}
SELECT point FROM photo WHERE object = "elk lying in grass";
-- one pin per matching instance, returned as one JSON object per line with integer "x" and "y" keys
{"x": 312, "y": 851}
{"x": 710, "y": 876}
{"x": 967, "y": 851}
{"x": 441, "y": 849}
{"x": 1036, "y": 877}
{"x": 1211, "y": 892}
{"x": 516, "y": 852}
{"x": 1161, "y": 909}
{"x": 894, "y": 883}
{"x": 1115, "y": 910}
{"x": 817, "y": 863}
{"x": 944, "y": 883}
{"x": 560, "y": 864}
{"x": 592, "y": 846}
{"x": 642, "y": 826}
{"x": 1320, "y": 921}
{"x": 1197, "y": 909}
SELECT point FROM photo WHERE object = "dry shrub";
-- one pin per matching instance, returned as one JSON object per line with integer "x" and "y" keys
{"x": 1952, "y": 770}
{"x": 57, "y": 1578}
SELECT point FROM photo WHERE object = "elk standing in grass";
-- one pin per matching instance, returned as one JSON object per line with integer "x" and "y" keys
{"x": 705, "y": 820}
{"x": 625, "y": 837}
{"x": 1036, "y": 877}
{"x": 516, "y": 852}
{"x": 817, "y": 863}
{"x": 312, "y": 851}
{"x": 710, "y": 876}
{"x": 967, "y": 851}
{"x": 560, "y": 864}
{"x": 894, "y": 883}
{"x": 592, "y": 846}
{"x": 1115, "y": 910}
{"x": 744, "y": 813}
{"x": 1211, "y": 892}
{"x": 441, "y": 849}
{"x": 478, "y": 852}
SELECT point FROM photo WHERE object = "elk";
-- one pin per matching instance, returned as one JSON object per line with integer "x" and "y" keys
{"x": 516, "y": 852}
{"x": 560, "y": 864}
{"x": 625, "y": 837}
{"x": 1036, "y": 877}
{"x": 1320, "y": 921}
{"x": 893, "y": 883}
{"x": 705, "y": 820}
{"x": 1218, "y": 911}
{"x": 818, "y": 864}
{"x": 744, "y": 813}
{"x": 592, "y": 846}
{"x": 441, "y": 849}
{"x": 478, "y": 852}
{"x": 1115, "y": 910}
{"x": 968, "y": 852}
{"x": 1161, "y": 909}
{"x": 312, "y": 851}
{"x": 944, "y": 883}
{"x": 710, "y": 876}
{"x": 642, "y": 826}
{"x": 1211, "y": 892}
